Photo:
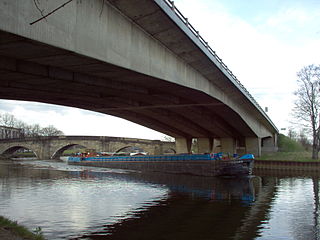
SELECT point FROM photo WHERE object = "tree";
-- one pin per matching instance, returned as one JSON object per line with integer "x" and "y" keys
{"x": 34, "y": 130}
{"x": 292, "y": 134}
{"x": 50, "y": 131}
{"x": 168, "y": 138}
{"x": 8, "y": 120}
{"x": 307, "y": 107}
{"x": 303, "y": 139}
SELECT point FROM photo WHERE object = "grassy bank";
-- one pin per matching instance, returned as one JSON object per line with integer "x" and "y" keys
{"x": 288, "y": 156}
{"x": 10, "y": 229}
{"x": 289, "y": 150}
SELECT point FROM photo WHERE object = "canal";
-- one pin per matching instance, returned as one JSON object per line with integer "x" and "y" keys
{"x": 75, "y": 202}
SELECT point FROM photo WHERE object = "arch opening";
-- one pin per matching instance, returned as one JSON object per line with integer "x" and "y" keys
{"x": 170, "y": 151}
{"x": 68, "y": 150}
{"x": 130, "y": 150}
{"x": 19, "y": 152}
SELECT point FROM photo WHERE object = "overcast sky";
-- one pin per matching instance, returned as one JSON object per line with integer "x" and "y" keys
{"x": 264, "y": 43}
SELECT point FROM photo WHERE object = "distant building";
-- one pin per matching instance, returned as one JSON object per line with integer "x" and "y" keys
{"x": 10, "y": 132}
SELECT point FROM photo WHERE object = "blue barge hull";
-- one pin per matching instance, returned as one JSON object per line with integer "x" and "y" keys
{"x": 182, "y": 157}
{"x": 195, "y": 164}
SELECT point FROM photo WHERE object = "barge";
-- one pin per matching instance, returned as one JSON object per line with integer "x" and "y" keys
{"x": 218, "y": 164}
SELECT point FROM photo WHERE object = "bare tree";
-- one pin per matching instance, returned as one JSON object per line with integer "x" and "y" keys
{"x": 168, "y": 138}
{"x": 292, "y": 134}
{"x": 303, "y": 139}
{"x": 307, "y": 106}
{"x": 35, "y": 130}
{"x": 9, "y": 120}
{"x": 50, "y": 131}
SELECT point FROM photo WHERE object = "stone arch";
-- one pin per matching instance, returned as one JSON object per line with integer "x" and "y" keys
{"x": 170, "y": 151}
{"x": 58, "y": 153}
{"x": 130, "y": 148}
{"x": 12, "y": 149}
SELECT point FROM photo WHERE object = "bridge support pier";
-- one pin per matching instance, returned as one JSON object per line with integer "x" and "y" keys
{"x": 44, "y": 150}
{"x": 183, "y": 145}
{"x": 228, "y": 145}
{"x": 205, "y": 145}
{"x": 253, "y": 145}
{"x": 269, "y": 144}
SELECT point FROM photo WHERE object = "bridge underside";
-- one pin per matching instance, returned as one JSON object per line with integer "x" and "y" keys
{"x": 33, "y": 71}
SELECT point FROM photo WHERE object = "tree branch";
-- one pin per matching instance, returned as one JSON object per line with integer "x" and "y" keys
{"x": 36, "y": 3}
{"x": 56, "y": 9}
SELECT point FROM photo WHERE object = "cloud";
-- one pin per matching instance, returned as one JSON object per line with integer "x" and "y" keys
{"x": 74, "y": 121}
{"x": 264, "y": 46}
{"x": 264, "y": 54}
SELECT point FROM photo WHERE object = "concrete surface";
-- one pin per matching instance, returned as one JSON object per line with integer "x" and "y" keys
{"x": 131, "y": 59}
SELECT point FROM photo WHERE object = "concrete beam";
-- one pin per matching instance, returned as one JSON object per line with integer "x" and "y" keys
{"x": 149, "y": 48}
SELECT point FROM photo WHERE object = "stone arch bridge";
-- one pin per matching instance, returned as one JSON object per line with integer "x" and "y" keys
{"x": 53, "y": 147}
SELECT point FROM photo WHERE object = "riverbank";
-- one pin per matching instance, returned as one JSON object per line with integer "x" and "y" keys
{"x": 10, "y": 230}
{"x": 287, "y": 161}
{"x": 288, "y": 156}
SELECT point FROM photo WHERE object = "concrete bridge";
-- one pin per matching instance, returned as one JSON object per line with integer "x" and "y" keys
{"x": 140, "y": 60}
{"x": 53, "y": 147}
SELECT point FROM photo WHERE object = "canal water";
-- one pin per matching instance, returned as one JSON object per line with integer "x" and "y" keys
{"x": 74, "y": 202}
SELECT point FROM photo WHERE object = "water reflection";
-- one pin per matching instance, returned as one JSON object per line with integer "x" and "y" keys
{"x": 72, "y": 202}
{"x": 197, "y": 208}
{"x": 65, "y": 205}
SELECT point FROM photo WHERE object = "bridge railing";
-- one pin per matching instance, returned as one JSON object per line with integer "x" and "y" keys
{"x": 213, "y": 53}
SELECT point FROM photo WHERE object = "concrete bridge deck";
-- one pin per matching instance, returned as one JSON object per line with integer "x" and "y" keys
{"x": 138, "y": 60}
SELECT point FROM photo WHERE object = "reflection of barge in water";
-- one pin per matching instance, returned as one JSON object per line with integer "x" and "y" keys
{"x": 195, "y": 164}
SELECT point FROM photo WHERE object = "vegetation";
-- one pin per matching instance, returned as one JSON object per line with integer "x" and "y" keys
{"x": 288, "y": 156}
{"x": 292, "y": 148}
{"x": 15, "y": 229}
{"x": 287, "y": 144}
{"x": 307, "y": 104}
{"x": 34, "y": 130}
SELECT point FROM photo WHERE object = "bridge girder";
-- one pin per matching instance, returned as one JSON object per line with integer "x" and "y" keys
{"x": 143, "y": 64}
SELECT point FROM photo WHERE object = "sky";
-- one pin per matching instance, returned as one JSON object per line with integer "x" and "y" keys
{"x": 263, "y": 42}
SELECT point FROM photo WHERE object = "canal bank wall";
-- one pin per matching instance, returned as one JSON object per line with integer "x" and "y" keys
{"x": 200, "y": 168}
{"x": 286, "y": 165}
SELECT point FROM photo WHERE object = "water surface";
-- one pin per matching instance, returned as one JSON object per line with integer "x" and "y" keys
{"x": 74, "y": 202}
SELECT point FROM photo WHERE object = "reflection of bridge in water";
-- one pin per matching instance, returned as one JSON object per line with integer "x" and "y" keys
{"x": 53, "y": 147}
{"x": 197, "y": 208}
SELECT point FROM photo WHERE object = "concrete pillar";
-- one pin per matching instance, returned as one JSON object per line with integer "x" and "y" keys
{"x": 253, "y": 145}
{"x": 269, "y": 144}
{"x": 183, "y": 145}
{"x": 205, "y": 145}
{"x": 216, "y": 145}
{"x": 228, "y": 145}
